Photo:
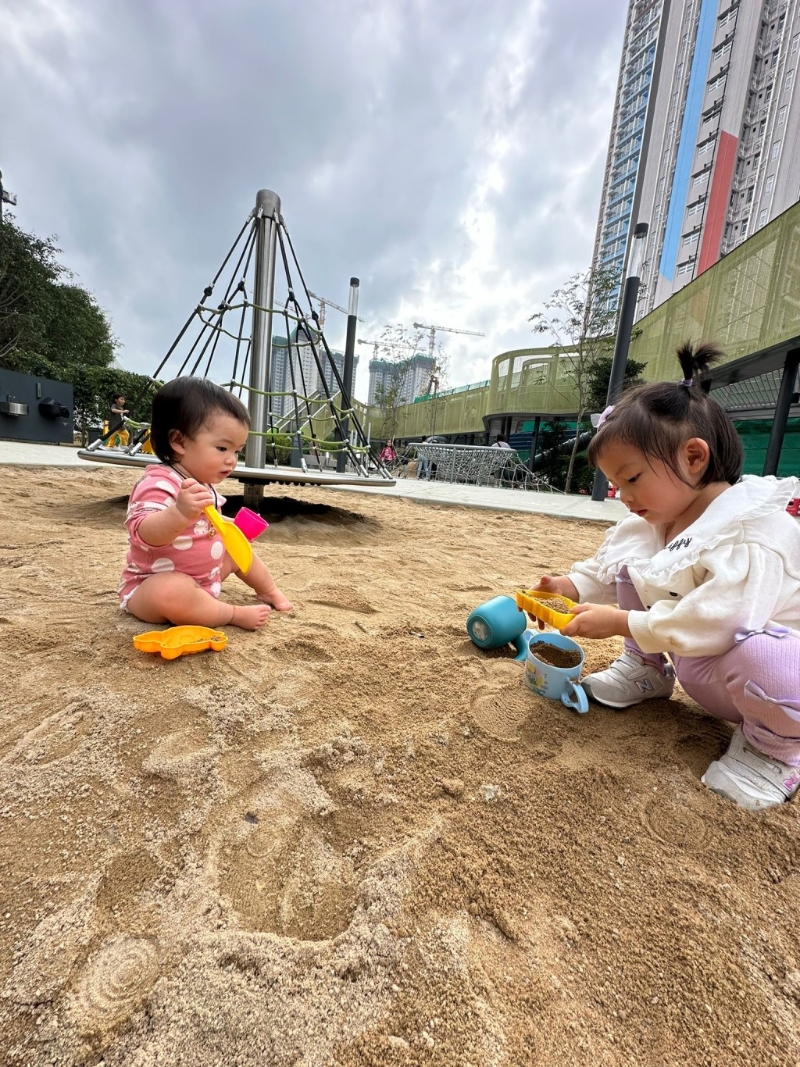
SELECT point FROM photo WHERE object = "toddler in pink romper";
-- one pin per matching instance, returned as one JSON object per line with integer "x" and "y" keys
{"x": 198, "y": 551}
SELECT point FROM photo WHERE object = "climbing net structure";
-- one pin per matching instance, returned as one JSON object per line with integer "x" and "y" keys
{"x": 304, "y": 426}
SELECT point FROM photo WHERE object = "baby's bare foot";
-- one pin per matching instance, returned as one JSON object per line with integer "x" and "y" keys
{"x": 251, "y": 616}
{"x": 276, "y": 598}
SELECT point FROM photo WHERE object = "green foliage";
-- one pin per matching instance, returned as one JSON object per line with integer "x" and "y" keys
{"x": 581, "y": 317}
{"x": 279, "y": 447}
{"x": 52, "y": 328}
{"x": 599, "y": 375}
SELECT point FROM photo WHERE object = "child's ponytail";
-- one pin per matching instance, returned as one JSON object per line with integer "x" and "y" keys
{"x": 660, "y": 417}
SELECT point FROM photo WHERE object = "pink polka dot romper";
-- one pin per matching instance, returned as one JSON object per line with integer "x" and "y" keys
{"x": 198, "y": 551}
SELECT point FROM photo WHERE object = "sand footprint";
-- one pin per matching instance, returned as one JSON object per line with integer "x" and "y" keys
{"x": 501, "y": 710}
{"x": 672, "y": 822}
{"x": 117, "y": 980}
{"x": 343, "y": 599}
{"x": 54, "y": 738}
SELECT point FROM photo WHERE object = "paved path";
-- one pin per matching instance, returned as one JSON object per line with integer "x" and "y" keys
{"x": 19, "y": 453}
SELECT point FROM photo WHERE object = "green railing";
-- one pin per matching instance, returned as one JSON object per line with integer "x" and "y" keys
{"x": 747, "y": 302}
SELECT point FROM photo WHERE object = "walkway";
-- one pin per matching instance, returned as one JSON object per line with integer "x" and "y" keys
{"x": 20, "y": 453}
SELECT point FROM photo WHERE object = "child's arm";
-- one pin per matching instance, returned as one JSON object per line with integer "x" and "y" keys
{"x": 162, "y": 527}
{"x": 597, "y": 621}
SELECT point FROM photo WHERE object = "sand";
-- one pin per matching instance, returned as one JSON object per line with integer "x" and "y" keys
{"x": 353, "y": 838}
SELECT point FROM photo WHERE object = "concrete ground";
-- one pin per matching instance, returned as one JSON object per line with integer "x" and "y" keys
{"x": 572, "y": 506}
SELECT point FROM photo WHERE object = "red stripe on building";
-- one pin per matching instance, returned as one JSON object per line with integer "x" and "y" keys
{"x": 718, "y": 201}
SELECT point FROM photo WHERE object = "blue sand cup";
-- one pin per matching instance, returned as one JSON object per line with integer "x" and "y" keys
{"x": 499, "y": 622}
{"x": 558, "y": 683}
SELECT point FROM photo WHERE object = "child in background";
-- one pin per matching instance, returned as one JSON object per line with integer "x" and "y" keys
{"x": 706, "y": 568}
{"x": 176, "y": 560}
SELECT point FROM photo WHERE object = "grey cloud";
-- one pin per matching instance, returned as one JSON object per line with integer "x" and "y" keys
{"x": 140, "y": 133}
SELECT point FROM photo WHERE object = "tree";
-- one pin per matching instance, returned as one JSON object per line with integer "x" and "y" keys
{"x": 53, "y": 328}
{"x": 599, "y": 377}
{"x": 581, "y": 316}
{"x": 397, "y": 350}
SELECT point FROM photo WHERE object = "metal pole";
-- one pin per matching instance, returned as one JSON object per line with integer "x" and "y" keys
{"x": 267, "y": 213}
{"x": 782, "y": 405}
{"x": 619, "y": 361}
{"x": 347, "y": 370}
{"x": 537, "y": 422}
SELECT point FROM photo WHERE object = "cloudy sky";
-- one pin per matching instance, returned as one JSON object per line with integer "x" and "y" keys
{"x": 449, "y": 153}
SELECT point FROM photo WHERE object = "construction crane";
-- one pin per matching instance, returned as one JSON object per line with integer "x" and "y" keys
{"x": 385, "y": 344}
{"x": 443, "y": 329}
{"x": 323, "y": 303}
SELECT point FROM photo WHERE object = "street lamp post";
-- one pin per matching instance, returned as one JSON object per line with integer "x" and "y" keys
{"x": 347, "y": 370}
{"x": 627, "y": 310}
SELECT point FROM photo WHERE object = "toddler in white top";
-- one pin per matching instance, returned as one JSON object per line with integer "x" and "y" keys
{"x": 705, "y": 568}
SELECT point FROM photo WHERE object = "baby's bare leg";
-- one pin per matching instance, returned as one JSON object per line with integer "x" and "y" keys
{"x": 263, "y": 584}
{"x": 178, "y": 599}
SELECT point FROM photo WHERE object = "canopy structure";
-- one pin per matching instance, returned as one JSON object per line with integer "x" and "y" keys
{"x": 304, "y": 427}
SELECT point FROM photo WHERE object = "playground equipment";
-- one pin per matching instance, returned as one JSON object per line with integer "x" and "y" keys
{"x": 303, "y": 375}
{"x": 180, "y": 641}
{"x": 532, "y": 601}
{"x": 499, "y": 622}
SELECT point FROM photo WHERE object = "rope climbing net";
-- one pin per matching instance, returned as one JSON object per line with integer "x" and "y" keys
{"x": 308, "y": 417}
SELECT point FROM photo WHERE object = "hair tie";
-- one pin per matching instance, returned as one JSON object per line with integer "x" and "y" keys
{"x": 688, "y": 382}
{"x": 598, "y": 420}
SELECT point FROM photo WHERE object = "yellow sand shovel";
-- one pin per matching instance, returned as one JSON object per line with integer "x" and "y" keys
{"x": 238, "y": 547}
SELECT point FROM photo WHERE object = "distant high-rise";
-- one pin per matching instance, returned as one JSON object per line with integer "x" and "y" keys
{"x": 413, "y": 377}
{"x": 293, "y": 367}
{"x": 704, "y": 144}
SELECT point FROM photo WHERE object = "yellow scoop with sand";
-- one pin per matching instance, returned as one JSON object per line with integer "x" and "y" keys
{"x": 236, "y": 544}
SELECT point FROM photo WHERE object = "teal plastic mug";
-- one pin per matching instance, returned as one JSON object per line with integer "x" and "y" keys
{"x": 499, "y": 622}
{"x": 557, "y": 683}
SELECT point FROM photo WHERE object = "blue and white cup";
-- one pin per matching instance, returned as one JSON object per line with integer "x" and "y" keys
{"x": 557, "y": 683}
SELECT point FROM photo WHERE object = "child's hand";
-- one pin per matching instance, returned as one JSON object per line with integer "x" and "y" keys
{"x": 597, "y": 621}
{"x": 192, "y": 498}
{"x": 560, "y": 585}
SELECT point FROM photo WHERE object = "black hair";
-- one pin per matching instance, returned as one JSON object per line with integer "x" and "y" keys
{"x": 186, "y": 405}
{"x": 659, "y": 417}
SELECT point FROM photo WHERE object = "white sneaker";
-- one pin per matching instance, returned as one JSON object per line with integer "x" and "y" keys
{"x": 750, "y": 778}
{"x": 629, "y": 680}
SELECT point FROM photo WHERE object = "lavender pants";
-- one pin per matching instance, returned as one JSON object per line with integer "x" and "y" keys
{"x": 756, "y": 683}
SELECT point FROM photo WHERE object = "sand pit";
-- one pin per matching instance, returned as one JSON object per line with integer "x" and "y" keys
{"x": 352, "y": 838}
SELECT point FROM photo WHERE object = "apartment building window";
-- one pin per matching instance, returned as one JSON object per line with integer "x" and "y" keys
{"x": 776, "y": 149}
{"x": 745, "y": 223}
{"x": 721, "y": 50}
{"x": 698, "y": 179}
{"x": 769, "y": 183}
{"x": 706, "y": 147}
{"x": 789, "y": 79}
{"x": 684, "y": 268}
{"x": 729, "y": 16}
{"x": 762, "y": 217}
{"x": 695, "y": 209}
{"x": 782, "y": 114}
{"x": 795, "y": 43}
{"x": 690, "y": 239}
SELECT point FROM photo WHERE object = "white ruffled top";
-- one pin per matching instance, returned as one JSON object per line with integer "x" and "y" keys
{"x": 737, "y": 567}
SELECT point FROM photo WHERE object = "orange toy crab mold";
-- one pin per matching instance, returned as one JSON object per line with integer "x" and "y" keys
{"x": 180, "y": 641}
